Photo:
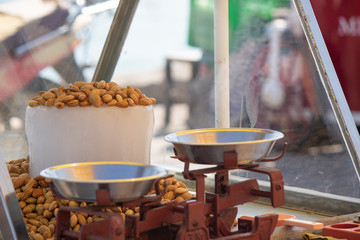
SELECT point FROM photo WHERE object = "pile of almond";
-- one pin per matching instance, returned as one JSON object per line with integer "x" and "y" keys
{"x": 94, "y": 93}
{"x": 175, "y": 190}
{"x": 39, "y": 206}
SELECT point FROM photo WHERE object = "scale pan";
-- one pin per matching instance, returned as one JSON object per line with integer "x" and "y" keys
{"x": 208, "y": 145}
{"x": 124, "y": 181}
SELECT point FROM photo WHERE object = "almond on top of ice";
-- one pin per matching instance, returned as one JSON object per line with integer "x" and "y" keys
{"x": 116, "y": 125}
{"x": 94, "y": 93}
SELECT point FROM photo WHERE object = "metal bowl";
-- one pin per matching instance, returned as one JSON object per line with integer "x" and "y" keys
{"x": 208, "y": 145}
{"x": 124, "y": 181}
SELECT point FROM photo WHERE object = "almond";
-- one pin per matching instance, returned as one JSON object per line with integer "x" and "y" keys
{"x": 38, "y": 236}
{"x": 68, "y": 98}
{"x": 186, "y": 195}
{"x": 86, "y": 91}
{"x": 82, "y": 97}
{"x": 76, "y": 94}
{"x": 76, "y": 228}
{"x": 130, "y": 91}
{"x": 179, "y": 199}
{"x": 112, "y": 102}
{"x": 31, "y": 215}
{"x": 115, "y": 89}
{"x": 48, "y": 95}
{"x": 101, "y": 84}
{"x": 33, "y": 103}
{"x": 31, "y": 200}
{"x": 47, "y": 214}
{"x": 129, "y": 212}
{"x": 45, "y": 231}
{"x": 29, "y": 208}
{"x": 50, "y": 102}
{"x": 87, "y": 86}
{"x": 20, "y": 180}
{"x": 134, "y": 98}
{"x": 27, "y": 193}
{"x": 60, "y": 97}
{"x": 37, "y": 192}
{"x": 81, "y": 219}
{"x": 34, "y": 222}
{"x": 84, "y": 103}
{"x": 102, "y": 92}
{"x": 73, "y": 220}
{"x": 73, "y": 103}
{"x": 60, "y": 105}
{"x": 22, "y": 204}
{"x": 123, "y": 94}
{"x": 40, "y": 200}
{"x": 111, "y": 93}
{"x": 53, "y": 205}
{"x": 169, "y": 195}
{"x": 180, "y": 191}
{"x": 15, "y": 169}
{"x": 145, "y": 101}
{"x": 138, "y": 91}
{"x": 79, "y": 84}
{"x": 171, "y": 188}
{"x": 106, "y": 98}
{"x": 122, "y": 104}
{"x": 41, "y": 101}
{"x": 153, "y": 100}
{"x": 74, "y": 88}
{"x": 119, "y": 98}
{"x": 130, "y": 101}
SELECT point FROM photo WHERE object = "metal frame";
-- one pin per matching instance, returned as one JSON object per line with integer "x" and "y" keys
{"x": 12, "y": 225}
{"x": 115, "y": 40}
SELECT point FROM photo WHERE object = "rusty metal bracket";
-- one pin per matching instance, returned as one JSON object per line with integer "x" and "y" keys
{"x": 274, "y": 158}
{"x": 276, "y": 193}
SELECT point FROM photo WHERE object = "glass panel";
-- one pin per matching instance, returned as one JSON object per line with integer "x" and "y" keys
{"x": 273, "y": 78}
{"x": 40, "y": 50}
{"x": 275, "y": 84}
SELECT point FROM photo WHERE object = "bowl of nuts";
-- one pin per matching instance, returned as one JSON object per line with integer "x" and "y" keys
{"x": 124, "y": 181}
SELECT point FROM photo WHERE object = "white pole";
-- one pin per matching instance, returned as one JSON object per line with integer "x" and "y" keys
{"x": 221, "y": 58}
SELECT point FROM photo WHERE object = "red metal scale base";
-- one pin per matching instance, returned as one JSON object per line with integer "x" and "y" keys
{"x": 208, "y": 216}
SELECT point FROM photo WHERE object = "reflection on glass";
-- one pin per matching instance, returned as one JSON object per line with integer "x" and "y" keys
{"x": 275, "y": 85}
{"x": 38, "y": 51}
{"x": 273, "y": 80}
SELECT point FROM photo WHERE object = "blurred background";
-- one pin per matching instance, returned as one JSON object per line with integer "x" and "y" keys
{"x": 168, "y": 54}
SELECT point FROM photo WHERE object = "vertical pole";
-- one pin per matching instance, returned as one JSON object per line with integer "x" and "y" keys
{"x": 221, "y": 58}
{"x": 115, "y": 40}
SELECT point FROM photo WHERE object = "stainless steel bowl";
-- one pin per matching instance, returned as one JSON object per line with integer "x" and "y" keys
{"x": 124, "y": 181}
{"x": 208, "y": 145}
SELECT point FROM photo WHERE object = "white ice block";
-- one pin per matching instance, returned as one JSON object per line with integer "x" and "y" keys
{"x": 88, "y": 134}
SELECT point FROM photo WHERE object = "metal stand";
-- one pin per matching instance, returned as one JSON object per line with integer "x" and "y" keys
{"x": 209, "y": 216}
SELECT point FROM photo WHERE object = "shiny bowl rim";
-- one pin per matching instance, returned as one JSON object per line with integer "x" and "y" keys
{"x": 45, "y": 173}
{"x": 278, "y": 135}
